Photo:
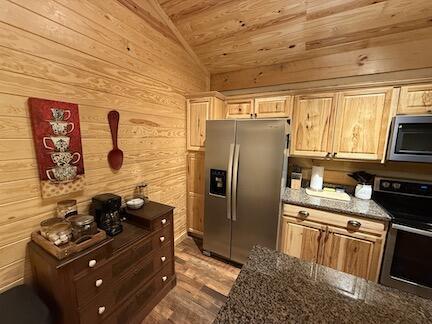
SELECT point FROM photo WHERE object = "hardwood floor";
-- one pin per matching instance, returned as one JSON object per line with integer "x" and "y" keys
{"x": 202, "y": 286}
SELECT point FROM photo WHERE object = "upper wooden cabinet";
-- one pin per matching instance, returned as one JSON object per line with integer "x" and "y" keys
{"x": 312, "y": 132}
{"x": 345, "y": 125}
{"x": 269, "y": 107}
{"x": 415, "y": 99}
{"x": 239, "y": 108}
{"x": 273, "y": 107}
{"x": 200, "y": 108}
{"x": 362, "y": 124}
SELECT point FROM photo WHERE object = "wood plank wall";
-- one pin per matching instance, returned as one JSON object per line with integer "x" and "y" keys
{"x": 103, "y": 55}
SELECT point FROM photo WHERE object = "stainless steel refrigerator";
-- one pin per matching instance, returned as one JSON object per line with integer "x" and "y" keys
{"x": 245, "y": 167}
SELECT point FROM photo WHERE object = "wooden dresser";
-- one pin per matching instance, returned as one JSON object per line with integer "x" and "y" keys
{"x": 118, "y": 280}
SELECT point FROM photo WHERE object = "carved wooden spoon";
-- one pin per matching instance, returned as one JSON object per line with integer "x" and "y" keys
{"x": 115, "y": 156}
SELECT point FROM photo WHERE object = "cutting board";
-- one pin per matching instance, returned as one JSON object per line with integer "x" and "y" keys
{"x": 329, "y": 194}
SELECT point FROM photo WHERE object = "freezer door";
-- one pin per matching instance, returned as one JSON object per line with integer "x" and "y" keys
{"x": 258, "y": 168}
{"x": 219, "y": 155}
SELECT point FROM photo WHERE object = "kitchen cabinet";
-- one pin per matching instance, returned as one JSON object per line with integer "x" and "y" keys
{"x": 415, "y": 99}
{"x": 200, "y": 108}
{"x": 343, "y": 125}
{"x": 239, "y": 108}
{"x": 347, "y": 243}
{"x": 268, "y": 107}
{"x": 362, "y": 123}
{"x": 313, "y": 119}
{"x": 273, "y": 107}
{"x": 195, "y": 192}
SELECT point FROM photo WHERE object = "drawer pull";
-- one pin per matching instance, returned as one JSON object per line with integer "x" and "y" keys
{"x": 162, "y": 238}
{"x": 163, "y": 259}
{"x": 303, "y": 213}
{"x": 99, "y": 282}
{"x": 354, "y": 223}
{"x": 163, "y": 221}
{"x": 101, "y": 310}
{"x": 164, "y": 278}
{"x": 92, "y": 263}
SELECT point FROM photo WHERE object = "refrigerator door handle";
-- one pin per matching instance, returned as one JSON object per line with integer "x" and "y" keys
{"x": 229, "y": 180}
{"x": 235, "y": 177}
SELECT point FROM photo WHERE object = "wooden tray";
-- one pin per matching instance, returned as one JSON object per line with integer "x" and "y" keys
{"x": 66, "y": 250}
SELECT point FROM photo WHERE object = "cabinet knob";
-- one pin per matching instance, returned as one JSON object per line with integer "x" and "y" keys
{"x": 429, "y": 111}
{"x": 101, "y": 310}
{"x": 164, "y": 278}
{"x": 99, "y": 282}
{"x": 334, "y": 154}
{"x": 162, "y": 238}
{"x": 251, "y": 115}
{"x": 256, "y": 115}
{"x": 163, "y": 221}
{"x": 328, "y": 155}
{"x": 163, "y": 259}
{"x": 92, "y": 263}
{"x": 354, "y": 223}
{"x": 303, "y": 213}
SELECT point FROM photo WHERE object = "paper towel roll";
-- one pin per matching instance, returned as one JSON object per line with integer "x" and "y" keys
{"x": 316, "y": 182}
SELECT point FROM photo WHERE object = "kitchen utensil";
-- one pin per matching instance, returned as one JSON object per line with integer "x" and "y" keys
{"x": 48, "y": 223}
{"x": 83, "y": 227}
{"x": 135, "y": 203}
{"x": 362, "y": 177}
{"x": 115, "y": 156}
{"x": 317, "y": 177}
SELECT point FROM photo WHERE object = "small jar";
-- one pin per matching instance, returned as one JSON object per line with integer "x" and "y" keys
{"x": 83, "y": 227}
{"x": 67, "y": 208}
{"x": 60, "y": 233}
{"x": 48, "y": 223}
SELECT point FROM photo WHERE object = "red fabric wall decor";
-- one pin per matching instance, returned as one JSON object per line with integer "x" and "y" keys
{"x": 57, "y": 138}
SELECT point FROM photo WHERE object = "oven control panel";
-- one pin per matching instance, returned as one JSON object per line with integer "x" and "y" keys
{"x": 406, "y": 187}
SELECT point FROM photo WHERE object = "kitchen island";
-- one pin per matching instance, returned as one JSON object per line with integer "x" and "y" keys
{"x": 275, "y": 288}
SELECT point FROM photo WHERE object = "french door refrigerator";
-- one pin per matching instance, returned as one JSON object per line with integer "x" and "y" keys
{"x": 245, "y": 169}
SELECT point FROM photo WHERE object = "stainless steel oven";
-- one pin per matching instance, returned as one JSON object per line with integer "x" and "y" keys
{"x": 407, "y": 263}
{"x": 411, "y": 139}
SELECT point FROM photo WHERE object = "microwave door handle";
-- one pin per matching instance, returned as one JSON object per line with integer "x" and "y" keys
{"x": 229, "y": 180}
{"x": 412, "y": 230}
{"x": 235, "y": 178}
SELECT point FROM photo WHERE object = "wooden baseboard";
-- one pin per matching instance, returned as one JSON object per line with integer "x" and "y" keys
{"x": 194, "y": 233}
{"x": 180, "y": 238}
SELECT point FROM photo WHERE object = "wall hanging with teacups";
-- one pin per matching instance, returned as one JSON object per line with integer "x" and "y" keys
{"x": 57, "y": 138}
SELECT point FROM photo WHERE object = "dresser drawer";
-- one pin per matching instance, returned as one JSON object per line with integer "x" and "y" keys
{"x": 162, "y": 237}
{"x": 124, "y": 261}
{"x": 163, "y": 256}
{"x": 161, "y": 221}
{"x": 89, "y": 285}
{"x": 98, "y": 309}
{"x": 90, "y": 261}
{"x": 164, "y": 276}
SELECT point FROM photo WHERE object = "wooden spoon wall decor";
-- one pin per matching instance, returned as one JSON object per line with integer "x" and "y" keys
{"x": 115, "y": 156}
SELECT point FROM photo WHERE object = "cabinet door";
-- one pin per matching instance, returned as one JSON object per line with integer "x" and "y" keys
{"x": 362, "y": 124}
{"x": 415, "y": 100}
{"x": 300, "y": 241}
{"x": 313, "y": 125}
{"x": 239, "y": 109}
{"x": 348, "y": 254}
{"x": 195, "y": 190}
{"x": 195, "y": 211}
{"x": 196, "y": 123}
{"x": 273, "y": 107}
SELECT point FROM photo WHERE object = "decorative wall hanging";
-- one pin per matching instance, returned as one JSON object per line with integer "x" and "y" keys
{"x": 57, "y": 138}
{"x": 115, "y": 156}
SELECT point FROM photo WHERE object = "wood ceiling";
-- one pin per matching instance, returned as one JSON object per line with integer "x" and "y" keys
{"x": 229, "y": 35}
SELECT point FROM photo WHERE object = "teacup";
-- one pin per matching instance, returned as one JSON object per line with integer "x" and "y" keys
{"x": 62, "y": 173}
{"x": 65, "y": 158}
{"x": 60, "y": 143}
{"x": 60, "y": 114}
{"x": 62, "y": 127}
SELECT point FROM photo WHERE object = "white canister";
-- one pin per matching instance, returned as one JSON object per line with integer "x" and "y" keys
{"x": 317, "y": 177}
{"x": 363, "y": 191}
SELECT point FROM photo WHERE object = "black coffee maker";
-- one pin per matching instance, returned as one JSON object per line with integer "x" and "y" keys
{"x": 106, "y": 210}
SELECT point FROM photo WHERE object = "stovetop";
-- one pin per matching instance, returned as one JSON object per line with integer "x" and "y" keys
{"x": 409, "y": 203}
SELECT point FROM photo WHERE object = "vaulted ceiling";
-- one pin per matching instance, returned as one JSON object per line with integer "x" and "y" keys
{"x": 230, "y": 35}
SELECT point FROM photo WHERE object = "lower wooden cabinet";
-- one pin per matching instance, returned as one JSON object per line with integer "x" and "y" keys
{"x": 195, "y": 192}
{"x": 345, "y": 243}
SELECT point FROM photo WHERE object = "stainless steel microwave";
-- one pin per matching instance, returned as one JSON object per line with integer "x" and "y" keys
{"x": 411, "y": 139}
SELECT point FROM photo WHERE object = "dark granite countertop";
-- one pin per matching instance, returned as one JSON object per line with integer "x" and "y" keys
{"x": 275, "y": 288}
{"x": 358, "y": 207}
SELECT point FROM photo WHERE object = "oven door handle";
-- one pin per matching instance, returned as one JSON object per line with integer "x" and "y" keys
{"x": 412, "y": 230}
